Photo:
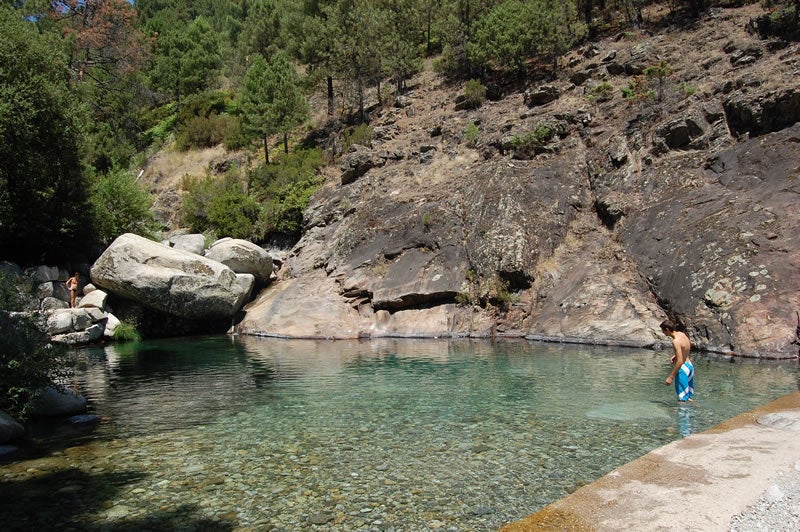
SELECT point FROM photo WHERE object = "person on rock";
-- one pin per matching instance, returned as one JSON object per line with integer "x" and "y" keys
{"x": 682, "y": 368}
{"x": 72, "y": 286}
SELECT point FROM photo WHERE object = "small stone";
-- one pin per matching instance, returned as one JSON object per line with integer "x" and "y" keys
{"x": 320, "y": 518}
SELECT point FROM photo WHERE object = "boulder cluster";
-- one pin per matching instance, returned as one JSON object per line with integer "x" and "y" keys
{"x": 178, "y": 277}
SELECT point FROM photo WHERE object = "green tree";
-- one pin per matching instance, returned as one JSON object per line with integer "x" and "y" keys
{"x": 312, "y": 43}
{"x": 187, "y": 59}
{"x": 359, "y": 46}
{"x": 515, "y": 31}
{"x": 658, "y": 73}
{"x": 220, "y": 205}
{"x": 508, "y": 36}
{"x": 120, "y": 206}
{"x": 272, "y": 100}
{"x": 28, "y": 362}
{"x": 43, "y": 194}
{"x": 264, "y": 30}
{"x": 402, "y": 56}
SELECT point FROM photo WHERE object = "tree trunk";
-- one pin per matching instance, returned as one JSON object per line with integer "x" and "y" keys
{"x": 587, "y": 15}
{"x": 362, "y": 115}
{"x": 266, "y": 149}
{"x": 330, "y": 96}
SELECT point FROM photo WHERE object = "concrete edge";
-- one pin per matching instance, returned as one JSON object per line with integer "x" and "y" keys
{"x": 579, "y": 511}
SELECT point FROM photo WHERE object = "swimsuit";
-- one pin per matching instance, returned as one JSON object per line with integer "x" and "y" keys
{"x": 684, "y": 381}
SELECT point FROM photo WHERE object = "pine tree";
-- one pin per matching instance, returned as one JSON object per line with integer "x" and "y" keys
{"x": 272, "y": 99}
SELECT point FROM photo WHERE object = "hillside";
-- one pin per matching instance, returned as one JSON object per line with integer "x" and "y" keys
{"x": 572, "y": 213}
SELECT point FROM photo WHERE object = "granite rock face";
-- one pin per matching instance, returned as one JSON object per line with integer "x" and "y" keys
{"x": 628, "y": 212}
{"x": 172, "y": 281}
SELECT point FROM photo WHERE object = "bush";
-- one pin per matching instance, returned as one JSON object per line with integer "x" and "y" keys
{"x": 284, "y": 189}
{"x": 28, "y": 363}
{"x": 126, "y": 332}
{"x": 203, "y": 132}
{"x": 474, "y": 94}
{"x": 120, "y": 206}
{"x": 362, "y": 135}
{"x": 10, "y": 294}
{"x": 528, "y": 144}
{"x": 219, "y": 205}
{"x": 602, "y": 92}
{"x": 202, "y": 121}
{"x": 471, "y": 133}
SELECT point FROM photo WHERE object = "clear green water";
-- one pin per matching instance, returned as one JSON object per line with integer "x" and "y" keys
{"x": 220, "y": 433}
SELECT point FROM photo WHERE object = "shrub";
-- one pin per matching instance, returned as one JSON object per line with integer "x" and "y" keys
{"x": 10, "y": 295}
{"x": 221, "y": 205}
{"x": 284, "y": 189}
{"x": 120, "y": 206}
{"x": 527, "y": 144}
{"x": 28, "y": 363}
{"x": 638, "y": 89}
{"x": 471, "y": 133}
{"x": 602, "y": 92}
{"x": 161, "y": 121}
{"x": 202, "y": 132}
{"x": 362, "y": 135}
{"x": 474, "y": 94}
{"x": 202, "y": 120}
{"x": 126, "y": 332}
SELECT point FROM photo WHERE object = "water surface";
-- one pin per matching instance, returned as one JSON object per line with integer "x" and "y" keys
{"x": 218, "y": 433}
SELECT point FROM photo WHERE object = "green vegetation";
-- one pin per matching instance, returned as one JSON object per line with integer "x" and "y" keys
{"x": 270, "y": 199}
{"x": 601, "y": 92}
{"x": 126, "y": 332}
{"x": 28, "y": 362}
{"x": 362, "y": 135}
{"x": 220, "y": 204}
{"x": 472, "y": 133}
{"x": 120, "y": 205}
{"x": 474, "y": 94}
{"x": 658, "y": 73}
{"x": 528, "y": 143}
{"x": 88, "y": 89}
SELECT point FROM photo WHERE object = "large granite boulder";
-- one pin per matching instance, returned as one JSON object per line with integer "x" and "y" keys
{"x": 242, "y": 256}
{"x": 10, "y": 429}
{"x": 58, "y": 402}
{"x": 172, "y": 281}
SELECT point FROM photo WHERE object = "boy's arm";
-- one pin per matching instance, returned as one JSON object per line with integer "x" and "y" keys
{"x": 677, "y": 359}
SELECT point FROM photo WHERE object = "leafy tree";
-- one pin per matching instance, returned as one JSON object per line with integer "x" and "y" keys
{"x": 28, "y": 362}
{"x": 43, "y": 194}
{"x": 272, "y": 100}
{"x": 220, "y": 205}
{"x": 121, "y": 206}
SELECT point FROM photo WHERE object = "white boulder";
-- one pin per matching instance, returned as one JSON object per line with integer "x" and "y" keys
{"x": 167, "y": 279}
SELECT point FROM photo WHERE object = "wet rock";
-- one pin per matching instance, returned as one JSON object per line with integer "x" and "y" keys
{"x": 10, "y": 429}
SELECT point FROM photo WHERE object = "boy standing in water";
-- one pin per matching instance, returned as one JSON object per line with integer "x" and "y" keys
{"x": 682, "y": 370}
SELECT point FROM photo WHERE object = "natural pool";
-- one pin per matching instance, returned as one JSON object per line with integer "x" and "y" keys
{"x": 222, "y": 433}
